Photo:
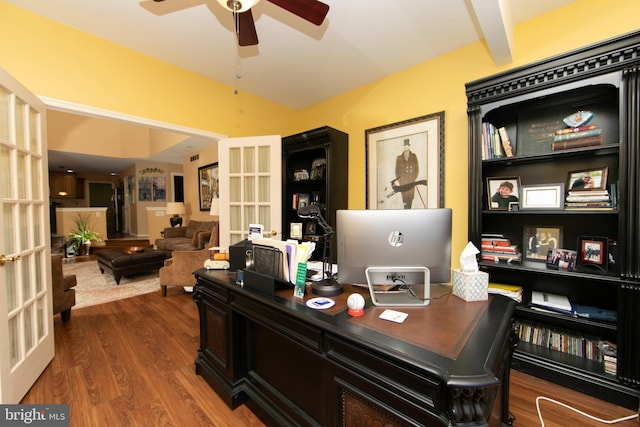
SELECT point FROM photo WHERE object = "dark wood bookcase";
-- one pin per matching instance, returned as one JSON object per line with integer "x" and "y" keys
{"x": 315, "y": 171}
{"x": 530, "y": 103}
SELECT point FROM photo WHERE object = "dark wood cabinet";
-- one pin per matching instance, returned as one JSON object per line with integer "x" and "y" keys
{"x": 315, "y": 171}
{"x": 296, "y": 366}
{"x": 529, "y": 103}
{"x": 66, "y": 185}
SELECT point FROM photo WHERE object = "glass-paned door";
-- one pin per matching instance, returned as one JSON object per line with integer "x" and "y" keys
{"x": 250, "y": 186}
{"x": 26, "y": 319}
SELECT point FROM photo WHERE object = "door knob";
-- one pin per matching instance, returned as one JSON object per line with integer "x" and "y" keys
{"x": 4, "y": 259}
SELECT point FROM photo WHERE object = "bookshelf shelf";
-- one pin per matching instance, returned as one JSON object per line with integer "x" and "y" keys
{"x": 531, "y": 115}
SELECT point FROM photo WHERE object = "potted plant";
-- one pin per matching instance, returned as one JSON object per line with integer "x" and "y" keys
{"x": 82, "y": 236}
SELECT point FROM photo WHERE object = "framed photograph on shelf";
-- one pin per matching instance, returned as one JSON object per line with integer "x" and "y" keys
{"x": 537, "y": 240}
{"x": 310, "y": 228}
{"x": 405, "y": 164}
{"x": 592, "y": 252}
{"x": 502, "y": 191}
{"x": 549, "y": 196}
{"x": 561, "y": 259}
{"x": 588, "y": 179}
{"x": 208, "y": 185}
{"x": 295, "y": 230}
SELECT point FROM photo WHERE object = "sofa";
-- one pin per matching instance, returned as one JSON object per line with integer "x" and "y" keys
{"x": 64, "y": 296}
{"x": 193, "y": 237}
{"x": 178, "y": 270}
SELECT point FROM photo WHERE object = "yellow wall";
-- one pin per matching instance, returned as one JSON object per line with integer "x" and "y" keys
{"x": 439, "y": 85}
{"x": 84, "y": 69}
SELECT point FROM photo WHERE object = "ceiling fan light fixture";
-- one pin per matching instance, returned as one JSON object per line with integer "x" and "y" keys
{"x": 237, "y": 5}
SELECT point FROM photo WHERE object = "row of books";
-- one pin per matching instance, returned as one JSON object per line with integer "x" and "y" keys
{"x": 560, "y": 340}
{"x": 299, "y": 200}
{"x": 496, "y": 142}
{"x": 498, "y": 248}
{"x": 576, "y": 137}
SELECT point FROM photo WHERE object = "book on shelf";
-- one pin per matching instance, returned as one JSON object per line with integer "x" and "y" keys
{"x": 498, "y": 257}
{"x": 576, "y": 143}
{"x": 507, "y": 146}
{"x": 588, "y": 192}
{"x": 577, "y": 135}
{"x": 299, "y": 200}
{"x": 512, "y": 291}
{"x": 504, "y": 249}
{"x": 500, "y": 241}
{"x": 554, "y": 302}
{"x": 586, "y": 198}
{"x": 575, "y": 129}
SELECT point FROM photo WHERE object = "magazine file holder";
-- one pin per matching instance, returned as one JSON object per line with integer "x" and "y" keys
{"x": 418, "y": 277}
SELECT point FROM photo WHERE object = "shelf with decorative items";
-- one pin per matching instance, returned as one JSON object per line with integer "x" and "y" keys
{"x": 552, "y": 202}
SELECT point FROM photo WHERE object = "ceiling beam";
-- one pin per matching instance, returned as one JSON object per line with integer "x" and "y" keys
{"x": 494, "y": 19}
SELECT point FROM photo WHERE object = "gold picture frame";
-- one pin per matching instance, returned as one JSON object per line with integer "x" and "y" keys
{"x": 405, "y": 164}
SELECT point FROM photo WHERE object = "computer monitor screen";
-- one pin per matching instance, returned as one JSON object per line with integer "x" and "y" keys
{"x": 400, "y": 238}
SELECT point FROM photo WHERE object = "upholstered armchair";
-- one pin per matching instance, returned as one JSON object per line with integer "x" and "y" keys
{"x": 64, "y": 296}
{"x": 178, "y": 270}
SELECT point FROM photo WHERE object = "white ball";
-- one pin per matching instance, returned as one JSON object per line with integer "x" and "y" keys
{"x": 355, "y": 302}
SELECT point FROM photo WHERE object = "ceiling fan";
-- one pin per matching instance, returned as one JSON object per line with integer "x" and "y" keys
{"x": 313, "y": 11}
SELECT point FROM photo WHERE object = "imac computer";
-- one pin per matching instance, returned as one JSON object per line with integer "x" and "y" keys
{"x": 397, "y": 253}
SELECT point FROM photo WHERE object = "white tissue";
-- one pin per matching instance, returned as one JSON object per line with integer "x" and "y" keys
{"x": 468, "y": 261}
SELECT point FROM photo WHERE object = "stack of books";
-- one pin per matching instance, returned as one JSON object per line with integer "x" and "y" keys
{"x": 576, "y": 137}
{"x": 588, "y": 199}
{"x": 512, "y": 291}
{"x": 550, "y": 302}
{"x": 496, "y": 248}
{"x": 609, "y": 356}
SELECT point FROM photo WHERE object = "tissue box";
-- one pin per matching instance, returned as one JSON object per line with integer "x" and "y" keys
{"x": 471, "y": 286}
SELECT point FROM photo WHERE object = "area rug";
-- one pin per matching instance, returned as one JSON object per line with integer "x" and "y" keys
{"x": 94, "y": 288}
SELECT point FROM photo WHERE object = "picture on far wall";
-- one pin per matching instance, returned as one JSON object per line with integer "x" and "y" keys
{"x": 405, "y": 164}
{"x": 208, "y": 185}
{"x": 144, "y": 189}
{"x": 159, "y": 189}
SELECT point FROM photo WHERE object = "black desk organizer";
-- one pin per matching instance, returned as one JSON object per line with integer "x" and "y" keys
{"x": 264, "y": 274}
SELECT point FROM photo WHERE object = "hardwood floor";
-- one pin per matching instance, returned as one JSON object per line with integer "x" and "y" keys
{"x": 130, "y": 363}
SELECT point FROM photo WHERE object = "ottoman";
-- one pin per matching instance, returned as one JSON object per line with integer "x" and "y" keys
{"x": 122, "y": 263}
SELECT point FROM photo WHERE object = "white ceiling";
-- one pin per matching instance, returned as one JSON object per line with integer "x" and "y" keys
{"x": 296, "y": 63}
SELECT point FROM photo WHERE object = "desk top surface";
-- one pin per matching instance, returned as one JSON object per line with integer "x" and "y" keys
{"x": 449, "y": 335}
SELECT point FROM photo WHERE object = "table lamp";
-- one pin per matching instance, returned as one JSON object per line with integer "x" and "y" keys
{"x": 328, "y": 286}
{"x": 176, "y": 209}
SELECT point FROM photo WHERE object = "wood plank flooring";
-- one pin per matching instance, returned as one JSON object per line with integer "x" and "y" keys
{"x": 130, "y": 363}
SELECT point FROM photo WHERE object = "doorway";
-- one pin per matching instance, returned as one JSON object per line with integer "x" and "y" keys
{"x": 101, "y": 194}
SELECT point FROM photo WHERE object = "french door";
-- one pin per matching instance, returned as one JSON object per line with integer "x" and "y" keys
{"x": 26, "y": 319}
{"x": 250, "y": 186}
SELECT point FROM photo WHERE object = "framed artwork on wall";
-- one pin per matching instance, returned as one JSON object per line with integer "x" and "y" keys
{"x": 208, "y": 185}
{"x": 405, "y": 164}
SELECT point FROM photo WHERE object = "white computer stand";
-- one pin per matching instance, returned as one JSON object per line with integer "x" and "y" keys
{"x": 418, "y": 277}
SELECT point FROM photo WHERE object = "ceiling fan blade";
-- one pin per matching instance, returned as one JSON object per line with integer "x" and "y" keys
{"x": 246, "y": 29}
{"x": 310, "y": 10}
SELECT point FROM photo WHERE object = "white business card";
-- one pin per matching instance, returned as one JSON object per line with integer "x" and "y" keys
{"x": 394, "y": 316}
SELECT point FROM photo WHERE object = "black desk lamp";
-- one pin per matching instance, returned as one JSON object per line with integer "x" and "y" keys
{"x": 327, "y": 287}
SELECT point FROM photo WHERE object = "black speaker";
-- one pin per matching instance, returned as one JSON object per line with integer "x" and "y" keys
{"x": 240, "y": 254}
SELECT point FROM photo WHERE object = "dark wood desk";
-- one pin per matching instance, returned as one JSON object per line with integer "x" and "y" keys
{"x": 447, "y": 364}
